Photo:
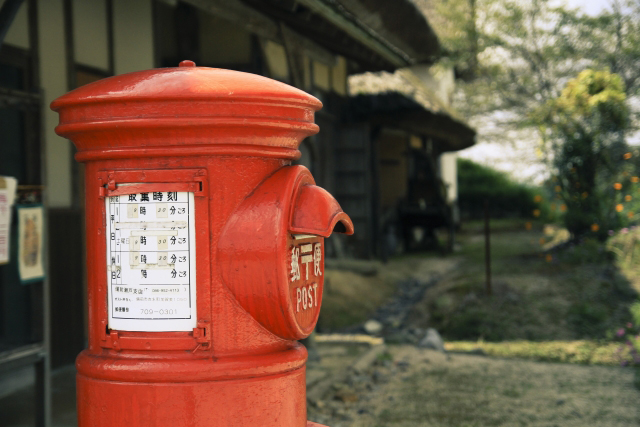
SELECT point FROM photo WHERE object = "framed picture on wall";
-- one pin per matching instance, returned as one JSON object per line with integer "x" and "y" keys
{"x": 30, "y": 242}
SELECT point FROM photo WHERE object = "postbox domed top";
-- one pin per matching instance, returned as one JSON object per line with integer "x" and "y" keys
{"x": 187, "y": 106}
{"x": 186, "y": 82}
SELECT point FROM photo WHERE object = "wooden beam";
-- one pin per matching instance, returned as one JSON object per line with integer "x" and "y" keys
{"x": 110, "y": 38}
{"x": 69, "y": 49}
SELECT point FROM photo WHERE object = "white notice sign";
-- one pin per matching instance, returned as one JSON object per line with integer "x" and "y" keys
{"x": 151, "y": 261}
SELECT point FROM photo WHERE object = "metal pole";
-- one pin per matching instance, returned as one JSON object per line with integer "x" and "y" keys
{"x": 487, "y": 247}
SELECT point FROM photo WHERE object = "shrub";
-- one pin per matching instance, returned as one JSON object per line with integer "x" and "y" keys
{"x": 585, "y": 130}
{"x": 507, "y": 198}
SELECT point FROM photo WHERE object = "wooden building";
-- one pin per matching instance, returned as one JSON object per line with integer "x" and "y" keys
{"x": 408, "y": 136}
{"x": 49, "y": 47}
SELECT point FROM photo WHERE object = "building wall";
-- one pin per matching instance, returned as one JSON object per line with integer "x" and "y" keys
{"x": 67, "y": 55}
{"x": 18, "y": 34}
{"x": 53, "y": 81}
{"x": 222, "y": 42}
{"x": 449, "y": 172}
{"x": 133, "y": 50}
{"x": 276, "y": 60}
{"x": 440, "y": 81}
{"x": 132, "y": 35}
{"x": 90, "y": 33}
{"x": 392, "y": 157}
{"x": 75, "y": 45}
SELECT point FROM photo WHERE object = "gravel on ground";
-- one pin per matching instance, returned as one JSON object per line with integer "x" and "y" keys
{"x": 408, "y": 386}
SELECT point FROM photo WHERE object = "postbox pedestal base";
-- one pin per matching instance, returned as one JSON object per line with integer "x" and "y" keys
{"x": 208, "y": 393}
{"x": 249, "y": 402}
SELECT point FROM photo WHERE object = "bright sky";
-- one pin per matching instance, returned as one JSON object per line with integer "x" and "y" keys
{"x": 590, "y": 7}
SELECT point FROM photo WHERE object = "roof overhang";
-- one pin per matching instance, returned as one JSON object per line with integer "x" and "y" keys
{"x": 396, "y": 110}
{"x": 396, "y": 30}
{"x": 374, "y": 34}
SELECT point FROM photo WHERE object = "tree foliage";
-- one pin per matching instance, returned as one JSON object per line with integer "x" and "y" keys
{"x": 585, "y": 127}
{"x": 564, "y": 74}
{"x": 517, "y": 55}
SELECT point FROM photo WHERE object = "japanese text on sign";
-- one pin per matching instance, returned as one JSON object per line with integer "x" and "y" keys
{"x": 151, "y": 261}
{"x": 306, "y": 262}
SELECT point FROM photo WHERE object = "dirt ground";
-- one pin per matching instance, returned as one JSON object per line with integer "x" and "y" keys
{"x": 537, "y": 296}
{"x": 351, "y": 297}
{"x": 410, "y": 386}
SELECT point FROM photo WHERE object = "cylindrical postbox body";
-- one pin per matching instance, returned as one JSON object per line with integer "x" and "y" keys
{"x": 205, "y": 247}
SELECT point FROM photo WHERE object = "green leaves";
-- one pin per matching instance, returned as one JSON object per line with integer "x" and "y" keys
{"x": 587, "y": 122}
{"x": 594, "y": 97}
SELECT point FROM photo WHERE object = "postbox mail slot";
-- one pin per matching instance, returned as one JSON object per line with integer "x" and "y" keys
{"x": 316, "y": 212}
{"x": 121, "y": 189}
{"x": 284, "y": 220}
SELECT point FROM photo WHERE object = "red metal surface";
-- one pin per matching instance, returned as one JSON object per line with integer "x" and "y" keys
{"x": 228, "y": 138}
{"x": 263, "y": 251}
{"x": 319, "y": 213}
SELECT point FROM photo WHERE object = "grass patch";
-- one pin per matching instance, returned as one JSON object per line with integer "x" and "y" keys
{"x": 625, "y": 247}
{"x": 574, "y": 292}
{"x": 579, "y": 352}
{"x": 499, "y": 225}
{"x": 350, "y": 298}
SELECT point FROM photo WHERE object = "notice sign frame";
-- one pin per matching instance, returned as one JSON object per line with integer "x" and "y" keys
{"x": 30, "y": 242}
{"x": 151, "y": 261}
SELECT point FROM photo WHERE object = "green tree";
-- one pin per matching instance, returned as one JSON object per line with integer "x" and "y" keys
{"x": 478, "y": 183}
{"x": 585, "y": 128}
{"x": 527, "y": 52}
{"x": 517, "y": 55}
{"x": 611, "y": 40}
{"x": 457, "y": 24}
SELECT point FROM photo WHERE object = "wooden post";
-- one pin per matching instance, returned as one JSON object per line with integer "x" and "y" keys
{"x": 487, "y": 247}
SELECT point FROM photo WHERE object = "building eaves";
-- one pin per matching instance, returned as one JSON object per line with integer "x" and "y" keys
{"x": 402, "y": 100}
{"x": 373, "y": 34}
{"x": 396, "y": 30}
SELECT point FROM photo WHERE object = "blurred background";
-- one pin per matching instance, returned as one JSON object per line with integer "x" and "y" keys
{"x": 486, "y": 150}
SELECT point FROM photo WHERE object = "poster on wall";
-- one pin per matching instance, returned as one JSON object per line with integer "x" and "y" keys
{"x": 7, "y": 195}
{"x": 30, "y": 242}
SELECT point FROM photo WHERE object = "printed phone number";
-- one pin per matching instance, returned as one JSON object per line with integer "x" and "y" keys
{"x": 160, "y": 312}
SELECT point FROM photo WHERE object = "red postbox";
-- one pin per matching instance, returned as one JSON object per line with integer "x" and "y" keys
{"x": 205, "y": 247}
